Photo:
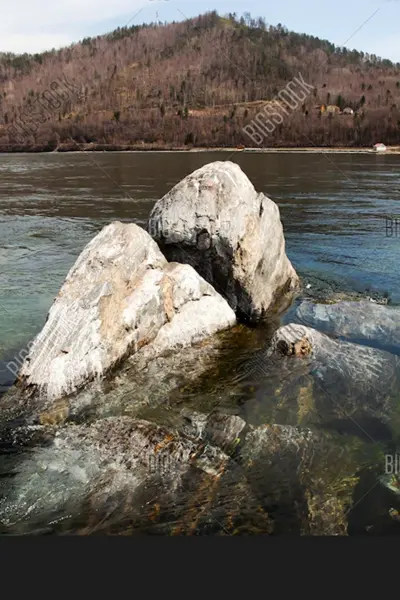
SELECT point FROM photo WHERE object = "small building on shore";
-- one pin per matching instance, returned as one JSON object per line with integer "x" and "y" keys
{"x": 332, "y": 109}
{"x": 380, "y": 147}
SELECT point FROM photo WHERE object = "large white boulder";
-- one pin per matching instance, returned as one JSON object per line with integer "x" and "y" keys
{"x": 120, "y": 296}
{"x": 216, "y": 221}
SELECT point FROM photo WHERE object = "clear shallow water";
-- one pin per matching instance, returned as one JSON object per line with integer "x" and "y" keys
{"x": 333, "y": 209}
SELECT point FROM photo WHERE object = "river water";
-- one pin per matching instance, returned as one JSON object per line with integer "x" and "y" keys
{"x": 335, "y": 209}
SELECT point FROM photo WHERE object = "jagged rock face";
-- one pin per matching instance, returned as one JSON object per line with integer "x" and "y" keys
{"x": 216, "y": 221}
{"x": 362, "y": 320}
{"x": 120, "y": 296}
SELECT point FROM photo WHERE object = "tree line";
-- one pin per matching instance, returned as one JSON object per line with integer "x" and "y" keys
{"x": 194, "y": 83}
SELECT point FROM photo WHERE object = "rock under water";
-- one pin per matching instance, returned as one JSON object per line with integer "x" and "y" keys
{"x": 349, "y": 380}
{"x": 363, "y": 321}
{"x": 149, "y": 475}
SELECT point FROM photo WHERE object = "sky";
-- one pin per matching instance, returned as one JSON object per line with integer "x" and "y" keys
{"x": 35, "y": 25}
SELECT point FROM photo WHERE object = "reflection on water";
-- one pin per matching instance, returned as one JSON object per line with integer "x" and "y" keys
{"x": 333, "y": 213}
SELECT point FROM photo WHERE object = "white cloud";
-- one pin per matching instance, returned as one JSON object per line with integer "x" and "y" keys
{"x": 37, "y": 25}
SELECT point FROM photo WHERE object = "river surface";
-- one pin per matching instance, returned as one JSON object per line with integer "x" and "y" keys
{"x": 338, "y": 213}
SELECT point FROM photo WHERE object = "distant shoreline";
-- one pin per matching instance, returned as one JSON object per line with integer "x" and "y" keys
{"x": 97, "y": 148}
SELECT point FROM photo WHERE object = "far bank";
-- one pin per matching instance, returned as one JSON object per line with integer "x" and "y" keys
{"x": 75, "y": 147}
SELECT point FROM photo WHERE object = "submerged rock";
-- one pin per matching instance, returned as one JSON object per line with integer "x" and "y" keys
{"x": 129, "y": 471}
{"x": 216, "y": 221}
{"x": 304, "y": 479}
{"x": 350, "y": 380}
{"x": 121, "y": 295}
{"x": 219, "y": 429}
{"x": 150, "y": 385}
{"x": 100, "y": 460}
{"x": 364, "y": 322}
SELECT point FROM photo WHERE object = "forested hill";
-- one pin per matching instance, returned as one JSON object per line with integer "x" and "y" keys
{"x": 195, "y": 83}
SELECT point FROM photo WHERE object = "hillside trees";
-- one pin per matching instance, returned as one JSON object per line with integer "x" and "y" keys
{"x": 198, "y": 82}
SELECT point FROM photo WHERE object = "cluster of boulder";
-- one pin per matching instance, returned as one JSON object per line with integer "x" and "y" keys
{"x": 213, "y": 255}
{"x": 223, "y": 258}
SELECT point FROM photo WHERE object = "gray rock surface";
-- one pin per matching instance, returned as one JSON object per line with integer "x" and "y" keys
{"x": 362, "y": 321}
{"x": 349, "y": 378}
{"x": 216, "y": 221}
{"x": 120, "y": 296}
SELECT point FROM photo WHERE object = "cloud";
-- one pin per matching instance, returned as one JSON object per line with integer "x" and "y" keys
{"x": 37, "y": 25}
